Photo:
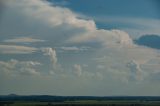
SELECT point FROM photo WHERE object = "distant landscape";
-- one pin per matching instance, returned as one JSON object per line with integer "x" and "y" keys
{"x": 47, "y": 100}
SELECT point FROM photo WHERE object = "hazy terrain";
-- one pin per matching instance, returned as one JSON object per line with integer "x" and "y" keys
{"x": 46, "y": 100}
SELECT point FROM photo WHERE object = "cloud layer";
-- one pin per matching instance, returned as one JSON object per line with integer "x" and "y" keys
{"x": 45, "y": 38}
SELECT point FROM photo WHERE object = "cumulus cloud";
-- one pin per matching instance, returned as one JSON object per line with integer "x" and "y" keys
{"x": 16, "y": 49}
{"x": 14, "y": 67}
{"x": 53, "y": 15}
{"x": 106, "y": 37}
{"x": 77, "y": 70}
{"x": 59, "y": 16}
{"x": 135, "y": 70}
{"x": 28, "y": 71}
{"x": 52, "y": 54}
{"x": 61, "y": 27}
{"x": 23, "y": 40}
{"x": 62, "y": 17}
{"x": 55, "y": 22}
{"x": 55, "y": 66}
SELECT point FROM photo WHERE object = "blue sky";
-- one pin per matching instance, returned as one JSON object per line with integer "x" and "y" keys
{"x": 123, "y": 8}
{"x": 80, "y": 47}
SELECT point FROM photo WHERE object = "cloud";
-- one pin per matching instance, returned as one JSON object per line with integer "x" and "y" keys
{"x": 61, "y": 26}
{"x": 14, "y": 67}
{"x": 135, "y": 70}
{"x": 74, "y": 48}
{"x": 15, "y": 49}
{"x": 106, "y": 37}
{"x": 63, "y": 18}
{"x": 54, "y": 67}
{"x": 77, "y": 70}
{"x": 28, "y": 71}
{"x": 70, "y": 48}
{"x": 52, "y": 54}
{"x": 58, "y": 19}
{"x": 23, "y": 40}
{"x": 53, "y": 15}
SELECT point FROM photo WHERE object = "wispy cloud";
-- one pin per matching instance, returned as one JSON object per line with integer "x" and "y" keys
{"x": 23, "y": 40}
{"x": 16, "y": 49}
{"x": 74, "y": 48}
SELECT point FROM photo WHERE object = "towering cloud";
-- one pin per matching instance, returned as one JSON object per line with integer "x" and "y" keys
{"x": 52, "y": 55}
{"x": 77, "y": 70}
{"x": 53, "y": 15}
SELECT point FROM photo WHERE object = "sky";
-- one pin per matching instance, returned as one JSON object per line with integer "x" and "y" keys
{"x": 80, "y": 47}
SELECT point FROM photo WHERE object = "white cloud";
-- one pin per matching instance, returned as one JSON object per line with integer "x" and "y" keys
{"x": 106, "y": 37}
{"x": 15, "y": 49}
{"x": 57, "y": 16}
{"x": 58, "y": 25}
{"x": 23, "y": 40}
{"x": 53, "y": 15}
{"x": 52, "y": 54}
{"x": 77, "y": 70}
{"x": 74, "y": 48}
{"x": 14, "y": 67}
{"x": 118, "y": 48}
{"x": 28, "y": 71}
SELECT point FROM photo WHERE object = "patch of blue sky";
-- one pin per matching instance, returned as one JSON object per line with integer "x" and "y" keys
{"x": 125, "y": 8}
